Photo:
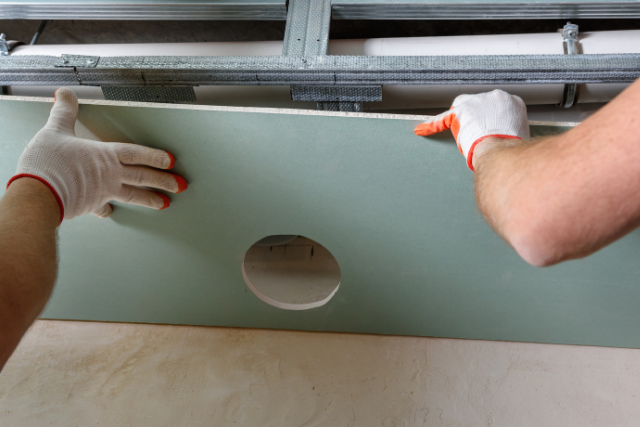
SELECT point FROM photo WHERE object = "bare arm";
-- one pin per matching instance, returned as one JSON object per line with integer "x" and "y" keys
{"x": 567, "y": 196}
{"x": 29, "y": 216}
{"x": 60, "y": 176}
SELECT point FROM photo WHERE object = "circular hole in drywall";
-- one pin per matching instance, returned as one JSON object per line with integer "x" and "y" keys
{"x": 291, "y": 272}
{"x": 275, "y": 240}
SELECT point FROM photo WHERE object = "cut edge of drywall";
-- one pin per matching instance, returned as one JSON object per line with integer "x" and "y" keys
{"x": 258, "y": 110}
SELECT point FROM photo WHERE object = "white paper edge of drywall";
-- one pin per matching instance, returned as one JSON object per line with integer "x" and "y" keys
{"x": 255, "y": 110}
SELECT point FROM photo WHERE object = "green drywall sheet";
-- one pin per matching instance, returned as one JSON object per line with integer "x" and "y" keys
{"x": 396, "y": 210}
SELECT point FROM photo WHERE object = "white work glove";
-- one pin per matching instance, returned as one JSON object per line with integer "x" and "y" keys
{"x": 473, "y": 118}
{"x": 84, "y": 175}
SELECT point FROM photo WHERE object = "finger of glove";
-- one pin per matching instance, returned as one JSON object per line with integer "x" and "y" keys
{"x": 141, "y": 197}
{"x": 436, "y": 124}
{"x": 133, "y": 154}
{"x": 103, "y": 211}
{"x": 64, "y": 112}
{"x": 143, "y": 176}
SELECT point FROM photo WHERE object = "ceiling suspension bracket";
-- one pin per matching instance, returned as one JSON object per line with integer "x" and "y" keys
{"x": 571, "y": 47}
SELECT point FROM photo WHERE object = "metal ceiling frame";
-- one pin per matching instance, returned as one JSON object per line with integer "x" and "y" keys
{"x": 335, "y": 82}
{"x": 319, "y": 70}
{"x": 341, "y": 9}
{"x": 272, "y": 10}
{"x": 484, "y": 9}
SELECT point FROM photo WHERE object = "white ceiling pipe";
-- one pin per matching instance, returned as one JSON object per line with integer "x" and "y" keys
{"x": 155, "y": 49}
{"x": 394, "y": 97}
{"x": 415, "y": 97}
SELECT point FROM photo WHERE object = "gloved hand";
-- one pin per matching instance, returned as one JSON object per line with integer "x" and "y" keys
{"x": 473, "y": 118}
{"x": 84, "y": 175}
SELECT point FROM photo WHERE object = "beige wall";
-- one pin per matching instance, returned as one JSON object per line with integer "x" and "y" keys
{"x": 96, "y": 374}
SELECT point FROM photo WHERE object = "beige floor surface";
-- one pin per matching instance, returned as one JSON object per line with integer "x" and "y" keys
{"x": 99, "y": 374}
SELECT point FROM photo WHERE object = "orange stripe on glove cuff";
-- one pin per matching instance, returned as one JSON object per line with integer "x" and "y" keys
{"x": 473, "y": 147}
{"x": 49, "y": 186}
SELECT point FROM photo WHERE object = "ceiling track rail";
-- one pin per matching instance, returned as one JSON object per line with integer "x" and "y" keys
{"x": 341, "y": 9}
{"x": 320, "y": 70}
{"x": 472, "y": 10}
{"x": 272, "y": 10}
{"x": 334, "y": 82}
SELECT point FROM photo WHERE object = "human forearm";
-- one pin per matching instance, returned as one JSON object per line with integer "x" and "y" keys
{"x": 61, "y": 176}
{"x": 557, "y": 198}
{"x": 566, "y": 196}
{"x": 29, "y": 216}
{"x": 505, "y": 170}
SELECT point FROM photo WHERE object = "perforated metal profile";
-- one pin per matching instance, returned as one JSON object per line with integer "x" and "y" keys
{"x": 165, "y": 94}
{"x": 307, "y": 35}
{"x": 78, "y": 61}
{"x": 354, "y": 107}
{"x": 336, "y": 93}
{"x": 307, "y": 32}
{"x": 342, "y": 9}
{"x": 325, "y": 70}
{"x": 482, "y": 9}
{"x": 145, "y": 10}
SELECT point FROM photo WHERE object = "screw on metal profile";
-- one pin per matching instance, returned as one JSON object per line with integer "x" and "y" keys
{"x": 570, "y": 32}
